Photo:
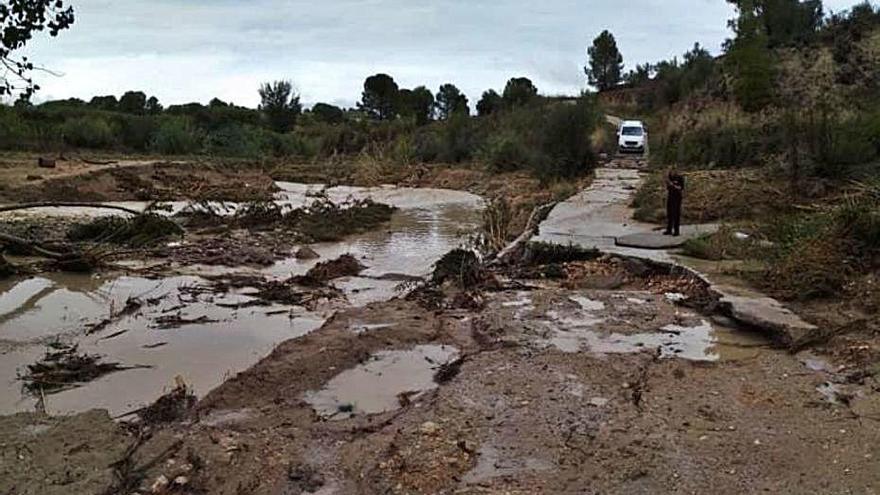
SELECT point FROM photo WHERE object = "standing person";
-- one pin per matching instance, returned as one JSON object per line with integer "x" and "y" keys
{"x": 674, "y": 197}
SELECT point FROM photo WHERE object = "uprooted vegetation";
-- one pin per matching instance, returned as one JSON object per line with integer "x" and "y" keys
{"x": 139, "y": 231}
{"x": 64, "y": 367}
{"x": 821, "y": 252}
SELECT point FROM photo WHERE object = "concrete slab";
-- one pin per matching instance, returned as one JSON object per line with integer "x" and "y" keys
{"x": 656, "y": 239}
{"x": 600, "y": 217}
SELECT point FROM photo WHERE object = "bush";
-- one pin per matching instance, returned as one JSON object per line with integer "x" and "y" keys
{"x": 565, "y": 141}
{"x": 177, "y": 136}
{"x": 136, "y": 132}
{"x": 505, "y": 152}
{"x": 88, "y": 132}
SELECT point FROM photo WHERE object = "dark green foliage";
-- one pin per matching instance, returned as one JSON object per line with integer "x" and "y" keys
{"x": 143, "y": 230}
{"x": 605, "y": 62}
{"x": 417, "y": 104}
{"x": 153, "y": 107}
{"x": 280, "y": 105}
{"x": 108, "y": 103}
{"x": 328, "y": 114}
{"x": 19, "y": 21}
{"x": 136, "y": 132}
{"x": 752, "y": 65}
{"x": 380, "y": 97}
{"x": 450, "y": 101}
{"x": 177, "y": 136}
{"x": 519, "y": 91}
{"x": 565, "y": 141}
{"x": 783, "y": 22}
{"x": 506, "y": 152}
{"x": 89, "y": 132}
{"x": 133, "y": 102}
{"x": 490, "y": 103}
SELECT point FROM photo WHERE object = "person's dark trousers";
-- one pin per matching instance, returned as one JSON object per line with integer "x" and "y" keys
{"x": 673, "y": 215}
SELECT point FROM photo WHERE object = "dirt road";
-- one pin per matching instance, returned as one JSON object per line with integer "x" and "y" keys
{"x": 595, "y": 376}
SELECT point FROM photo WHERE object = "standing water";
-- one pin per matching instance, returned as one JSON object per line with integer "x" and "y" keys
{"x": 211, "y": 336}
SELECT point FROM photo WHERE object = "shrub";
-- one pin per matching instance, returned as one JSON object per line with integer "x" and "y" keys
{"x": 177, "y": 136}
{"x": 88, "y": 132}
{"x": 136, "y": 132}
{"x": 505, "y": 152}
{"x": 565, "y": 141}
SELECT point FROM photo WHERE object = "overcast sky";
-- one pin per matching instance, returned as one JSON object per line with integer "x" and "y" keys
{"x": 193, "y": 50}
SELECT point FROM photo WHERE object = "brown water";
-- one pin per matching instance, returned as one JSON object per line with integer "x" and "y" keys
{"x": 376, "y": 386}
{"x": 36, "y": 311}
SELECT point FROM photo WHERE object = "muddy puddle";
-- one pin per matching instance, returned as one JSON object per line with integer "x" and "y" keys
{"x": 185, "y": 329}
{"x": 608, "y": 322}
{"x": 387, "y": 381}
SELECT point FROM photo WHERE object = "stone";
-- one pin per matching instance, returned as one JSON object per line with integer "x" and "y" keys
{"x": 306, "y": 253}
{"x": 429, "y": 428}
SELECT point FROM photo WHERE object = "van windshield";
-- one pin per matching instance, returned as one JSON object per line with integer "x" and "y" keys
{"x": 631, "y": 131}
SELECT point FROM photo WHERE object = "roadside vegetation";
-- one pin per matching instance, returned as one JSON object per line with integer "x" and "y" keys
{"x": 780, "y": 141}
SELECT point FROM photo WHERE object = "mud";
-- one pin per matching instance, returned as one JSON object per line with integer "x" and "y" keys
{"x": 602, "y": 375}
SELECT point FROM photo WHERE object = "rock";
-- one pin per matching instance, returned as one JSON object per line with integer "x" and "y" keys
{"x": 159, "y": 485}
{"x": 306, "y": 253}
{"x": 429, "y": 428}
{"x": 45, "y": 162}
{"x": 598, "y": 402}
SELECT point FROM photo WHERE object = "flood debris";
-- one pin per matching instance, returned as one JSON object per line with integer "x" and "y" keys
{"x": 167, "y": 322}
{"x": 545, "y": 253}
{"x": 326, "y": 221}
{"x": 140, "y": 231}
{"x": 170, "y": 407}
{"x": 343, "y": 266}
{"x": 6, "y": 268}
{"x": 64, "y": 367}
{"x": 132, "y": 305}
{"x": 461, "y": 267}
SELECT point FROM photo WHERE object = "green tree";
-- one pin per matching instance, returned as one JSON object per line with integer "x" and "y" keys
{"x": 417, "y": 104}
{"x": 519, "y": 91}
{"x": 490, "y": 103}
{"x": 108, "y": 103}
{"x": 640, "y": 75}
{"x": 749, "y": 57}
{"x": 280, "y": 105}
{"x": 380, "y": 97}
{"x": 19, "y": 20}
{"x": 330, "y": 114}
{"x": 153, "y": 107}
{"x": 605, "y": 62}
{"x": 133, "y": 102}
{"x": 450, "y": 101}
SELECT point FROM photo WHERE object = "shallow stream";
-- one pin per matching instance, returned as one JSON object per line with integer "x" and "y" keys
{"x": 217, "y": 339}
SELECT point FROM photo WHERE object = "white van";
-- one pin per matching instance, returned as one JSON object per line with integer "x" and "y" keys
{"x": 632, "y": 137}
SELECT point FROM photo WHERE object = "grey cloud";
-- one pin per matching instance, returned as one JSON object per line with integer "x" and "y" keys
{"x": 192, "y": 50}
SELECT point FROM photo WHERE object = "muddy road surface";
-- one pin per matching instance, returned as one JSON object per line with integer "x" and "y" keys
{"x": 589, "y": 374}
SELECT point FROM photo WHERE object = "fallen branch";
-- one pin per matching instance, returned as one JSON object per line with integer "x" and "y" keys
{"x": 98, "y": 162}
{"x": 506, "y": 255}
{"x": 57, "y": 204}
{"x": 31, "y": 245}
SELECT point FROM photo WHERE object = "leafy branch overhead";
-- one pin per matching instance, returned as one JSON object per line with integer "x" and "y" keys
{"x": 19, "y": 21}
